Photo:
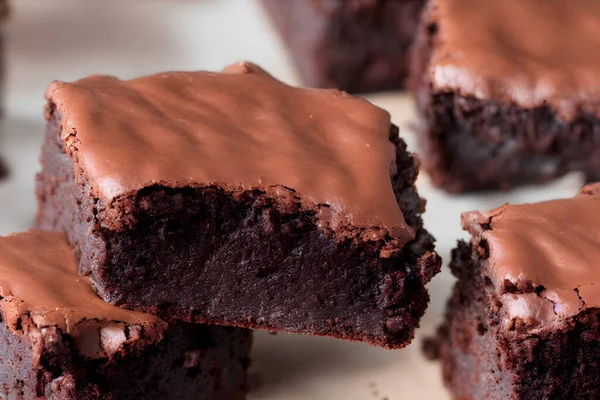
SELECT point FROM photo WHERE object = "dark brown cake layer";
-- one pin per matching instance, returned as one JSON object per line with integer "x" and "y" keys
{"x": 503, "y": 137}
{"x": 355, "y": 45}
{"x": 192, "y": 361}
{"x": 59, "y": 340}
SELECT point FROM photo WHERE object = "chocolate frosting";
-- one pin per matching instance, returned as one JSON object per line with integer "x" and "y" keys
{"x": 39, "y": 281}
{"x": 240, "y": 129}
{"x": 546, "y": 254}
{"x": 527, "y": 52}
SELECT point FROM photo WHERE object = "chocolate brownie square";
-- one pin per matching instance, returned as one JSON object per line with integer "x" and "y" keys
{"x": 523, "y": 320}
{"x": 508, "y": 91}
{"x": 233, "y": 199}
{"x": 59, "y": 340}
{"x": 354, "y": 45}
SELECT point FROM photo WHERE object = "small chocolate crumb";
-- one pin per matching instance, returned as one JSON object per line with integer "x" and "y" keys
{"x": 395, "y": 324}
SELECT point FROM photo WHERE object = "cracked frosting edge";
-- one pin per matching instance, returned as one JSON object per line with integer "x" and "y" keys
{"x": 541, "y": 259}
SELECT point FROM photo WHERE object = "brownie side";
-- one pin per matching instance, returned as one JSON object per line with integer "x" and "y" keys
{"x": 191, "y": 362}
{"x": 471, "y": 358}
{"x": 250, "y": 259}
{"x": 482, "y": 359}
{"x": 477, "y": 144}
{"x": 17, "y": 376}
{"x": 352, "y": 45}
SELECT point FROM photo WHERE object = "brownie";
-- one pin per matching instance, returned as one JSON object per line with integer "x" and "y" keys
{"x": 354, "y": 45}
{"x": 233, "y": 199}
{"x": 523, "y": 319}
{"x": 59, "y": 340}
{"x": 508, "y": 91}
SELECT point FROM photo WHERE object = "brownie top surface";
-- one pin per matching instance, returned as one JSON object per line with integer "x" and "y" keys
{"x": 527, "y": 52}
{"x": 543, "y": 257}
{"x": 39, "y": 280}
{"x": 240, "y": 129}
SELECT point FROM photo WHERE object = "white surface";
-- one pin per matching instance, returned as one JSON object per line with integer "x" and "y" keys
{"x": 68, "y": 39}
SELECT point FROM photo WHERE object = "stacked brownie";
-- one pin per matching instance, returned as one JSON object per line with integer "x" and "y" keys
{"x": 523, "y": 320}
{"x": 508, "y": 91}
{"x": 59, "y": 340}
{"x": 354, "y": 45}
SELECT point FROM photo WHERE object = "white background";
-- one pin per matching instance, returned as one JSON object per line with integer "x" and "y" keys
{"x": 69, "y": 39}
